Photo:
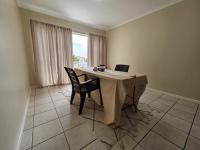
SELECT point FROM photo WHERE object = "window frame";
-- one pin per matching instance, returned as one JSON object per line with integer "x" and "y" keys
{"x": 80, "y": 34}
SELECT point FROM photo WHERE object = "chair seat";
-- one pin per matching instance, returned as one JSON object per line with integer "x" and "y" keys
{"x": 89, "y": 87}
{"x": 83, "y": 88}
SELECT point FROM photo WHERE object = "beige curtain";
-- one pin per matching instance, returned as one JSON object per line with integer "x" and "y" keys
{"x": 52, "y": 47}
{"x": 96, "y": 50}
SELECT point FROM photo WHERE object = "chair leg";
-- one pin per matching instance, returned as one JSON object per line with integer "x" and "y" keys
{"x": 72, "y": 97}
{"x": 82, "y": 95}
{"x": 89, "y": 95}
{"x": 101, "y": 99}
{"x": 135, "y": 106}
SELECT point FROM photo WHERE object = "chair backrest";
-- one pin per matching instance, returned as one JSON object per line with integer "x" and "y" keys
{"x": 121, "y": 67}
{"x": 73, "y": 78}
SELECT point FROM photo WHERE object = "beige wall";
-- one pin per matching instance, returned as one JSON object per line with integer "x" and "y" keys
{"x": 164, "y": 45}
{"x": 27, "y": 15}
{"x": 14, "y": 84}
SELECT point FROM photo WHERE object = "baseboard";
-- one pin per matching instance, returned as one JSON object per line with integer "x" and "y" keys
{"x": 23, "y": 120}
{"x": 175, "y": 95}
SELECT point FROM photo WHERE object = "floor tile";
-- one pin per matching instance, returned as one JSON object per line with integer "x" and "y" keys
{"x": 185, "y": 108}
{"x": 125, "y": 123}
{"x": 160, "y": 106}
{"x": 153, "y": 94}
{"x": 181, "y": 114}
{"x": 66, "y": 110}
{"x": 56, "y": 143}
{"x": 169, "y": 98}
{"x": 125, "y": 143}
{"x": 138, "y": 131}
{"x": 97, "y": 145}
{"x": 80, "y": 136}
{"x": 42, "y": 132}
{"x": 158, "y": 114}
{"x": 42, "y": 96}
{"x": 146, "y": 100}
{"x": 145, "y": 107}
{"x": 149, "y": 97}
{"x": 176, "y": 122}
{"x": 41, "y": 91}
{"x": 148, "y": 110}
{"x": 197, "y": 120}
{"x": 55, "y": 92}
{"x": 149, "y": 122}
{"x": 26, "y": 139}
{"x": 198, "y": 111}
{"x": 105, "y": 133}
{"x": 30, "y": 112}
{"x": 67, "y": 93}
{"x": 138, "y": 147}
{"x": 28, "y": 123}
{"x": 192, "y": 144}
{"x": 42, "y": 101}
{"x": 99, "y": 116}
{"x": 172, "y": 134}
{"x": 31, "y": 104}
{"x": 61, "y": 103}
{"x": 43, "y": 108}
{"x": 146, "y": 119}
{"x": 98, "y": 107}
{"x": 166, "y": 102}
{"x": 88, "y": 113}
{"x": 45, "y": 117}
{"x": 155, "y": 142}
{"x": 195, "y": 131}
{"x": 72, "y": 120}
{"x": 188, "y": 103}
{"x": 57, "y": 97}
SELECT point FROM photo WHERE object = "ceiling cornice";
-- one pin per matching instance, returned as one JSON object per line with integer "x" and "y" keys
{"x": 49, "y": 12}
{"x": 55, "y": 14}
{"x": 145, "y": 14}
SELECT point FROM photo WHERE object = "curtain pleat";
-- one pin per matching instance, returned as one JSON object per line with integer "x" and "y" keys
{"x": 52, "y": 47}
{"x": 97, "y": 54}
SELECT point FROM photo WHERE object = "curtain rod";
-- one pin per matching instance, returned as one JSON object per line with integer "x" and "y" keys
{"x": 73, "y": 30}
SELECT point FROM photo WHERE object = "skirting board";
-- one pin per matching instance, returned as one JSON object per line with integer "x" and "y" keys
{"x": 23, "y": 120}
{"x": 177, "y": 96}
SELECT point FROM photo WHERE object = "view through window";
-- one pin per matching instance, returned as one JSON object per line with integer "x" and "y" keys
{"x": 80, "y": 48}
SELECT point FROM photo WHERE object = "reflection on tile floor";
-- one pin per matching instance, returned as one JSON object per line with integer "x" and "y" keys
{"x": 163, "y": 122}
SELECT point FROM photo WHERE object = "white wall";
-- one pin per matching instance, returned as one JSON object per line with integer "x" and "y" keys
{"x": 165, "y": 46}
{"x": 14, "y": 82}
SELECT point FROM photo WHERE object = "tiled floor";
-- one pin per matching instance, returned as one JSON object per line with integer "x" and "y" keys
{"x": 163, "y": 122}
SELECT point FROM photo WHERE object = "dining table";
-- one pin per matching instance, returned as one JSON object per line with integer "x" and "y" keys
{"x": 116, "y": 88}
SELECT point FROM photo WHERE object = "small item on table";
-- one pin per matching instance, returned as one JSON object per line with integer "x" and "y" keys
{"x": 95, "y": 69}
{"x": 101, "y": 68}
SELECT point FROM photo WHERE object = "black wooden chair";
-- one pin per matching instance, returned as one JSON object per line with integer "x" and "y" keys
{"x": 121, "y": 67}
{"x": 83, "y": 88}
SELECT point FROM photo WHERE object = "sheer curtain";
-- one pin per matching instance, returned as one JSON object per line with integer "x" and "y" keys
{"x": 96, "y": 50}
{"x": 52, "y": 47}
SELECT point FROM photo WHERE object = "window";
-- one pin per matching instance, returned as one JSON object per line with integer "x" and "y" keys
{"x": 80, "y": 48}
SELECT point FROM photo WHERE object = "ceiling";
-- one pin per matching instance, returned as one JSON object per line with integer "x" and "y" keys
{"x": 101, "y": 14}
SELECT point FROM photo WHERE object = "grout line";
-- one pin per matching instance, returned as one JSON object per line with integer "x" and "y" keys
{"x": 47, "y": 140}
{"x": 191, "y": 127}
{"x": 105, "y": 142}
{"x": 171, "y": 124}
{"x": 115, "y": 134}
{"x": 154, "y": 125}
{"x": 89, "y": 143}
{"x": 60, "y": 122}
